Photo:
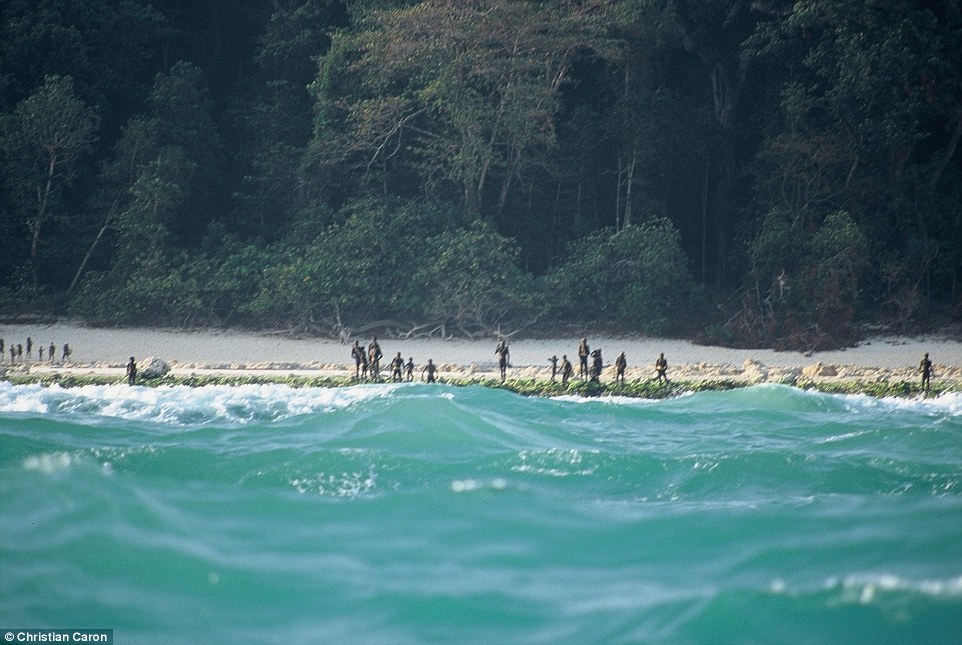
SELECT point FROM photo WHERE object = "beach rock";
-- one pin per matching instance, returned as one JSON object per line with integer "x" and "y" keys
{"x": 819, "y": 369}
{"x": 754, "y": 371}
{"x": 153, "y": 367}
{"x": 785, "y": 376}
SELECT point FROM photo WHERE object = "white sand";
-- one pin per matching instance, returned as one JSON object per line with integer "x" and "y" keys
{"x": 196, "y": 351}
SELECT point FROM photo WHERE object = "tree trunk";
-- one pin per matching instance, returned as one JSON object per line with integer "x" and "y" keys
{"x": 93, "y": 246}
{"x": 618, "y": 196}
{"x": 704, "y": 221}
{"x": 37, "y": 225}
{"x": 626, "y": 222}
{"x": 949, "y": 151}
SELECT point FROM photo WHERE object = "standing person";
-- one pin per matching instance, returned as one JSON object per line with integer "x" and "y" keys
{"x": 374, "y": 356}
{"x": 397, "y": 365}
{"x": 596, "y": 365}
{"x": 40, "y": 353}
{"x": 1, "y": 350}
{"x": 357, "y": 352}
{"x": 65, "y": 354}
{"x": 925, "y": 369}
{"x": 53, "y": 350}
{"x": 566, "y": 370}
{"x": 620, "y": 364}
{"x": 29, "y": 348}
{"x": 19, "y": 353}
{"x": 554, "y": 366}
{"x": 430, "y": 368}
{"x": 583, "y": 354}
{"x": 502, "y": 351}
{"x": 131, "y": 372}
{"x": 661, "y": 369}
{"x": 409, "y": 369}
{"x": 13, "y": 353}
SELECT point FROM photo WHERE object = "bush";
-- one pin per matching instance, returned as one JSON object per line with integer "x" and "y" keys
{"x": 397, "y": 258}
{"x": 471, "y": 278}
{"x": 637, "y": 277}
{"x": 803, "y": 287}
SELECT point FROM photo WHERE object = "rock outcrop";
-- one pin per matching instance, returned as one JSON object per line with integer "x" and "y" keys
{"x": 153, "y": 367}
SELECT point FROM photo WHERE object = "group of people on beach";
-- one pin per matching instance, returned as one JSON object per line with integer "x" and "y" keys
{"x": 597, "y": 365}
{"x": 23, "y": 352}
{"x": 367, "y": 364}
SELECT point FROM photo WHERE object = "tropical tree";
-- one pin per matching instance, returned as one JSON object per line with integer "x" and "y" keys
{"x": 454, "y": 95}
{"x": 43, "y": 142}
{"x": 272, "y": 187}
{"x": 156, "y": 199}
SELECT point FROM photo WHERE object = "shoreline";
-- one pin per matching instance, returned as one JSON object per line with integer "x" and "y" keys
{"x": 648, "y": 389}
{"x": 99, "y": 355}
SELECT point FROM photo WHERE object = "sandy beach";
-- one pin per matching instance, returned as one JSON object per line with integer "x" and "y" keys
{"x": 105, "y": 351}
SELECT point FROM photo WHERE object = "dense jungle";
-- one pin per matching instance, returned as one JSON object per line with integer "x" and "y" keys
{"x": 766, "y": 173}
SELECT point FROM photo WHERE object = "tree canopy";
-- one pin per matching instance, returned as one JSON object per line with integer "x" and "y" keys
{"x": 773, "y": 173}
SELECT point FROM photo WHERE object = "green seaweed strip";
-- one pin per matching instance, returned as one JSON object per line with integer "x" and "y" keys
{"x": 644, "y": 388}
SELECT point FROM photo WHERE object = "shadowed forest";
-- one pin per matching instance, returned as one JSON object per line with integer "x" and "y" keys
{"x": 768, "y": 173}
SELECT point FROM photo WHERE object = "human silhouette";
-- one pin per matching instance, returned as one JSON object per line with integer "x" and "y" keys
{"x": 357, "y": 352}
{"x": 397, "y": 366}
{"x": 661, "y": 368}
{"x": 374, "y": 358}
{"x": 583, "y": 354}
{"x": 554, "y": 367}
{"x": 620, "y": 364}
{"x": 430, "y": 369}
{"x": 566, "y": 370}
{"x": 925, "y": 369}
{"x": 596, "y": 365}
{"x": 502, "y": 351}
{"x": 131, "y": 372}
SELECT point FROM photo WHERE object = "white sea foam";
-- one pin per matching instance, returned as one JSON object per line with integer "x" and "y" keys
{"x": 864, "y": 588}
{"x": 181, "y": 405}
{"x": 48, "y": 462}
{"x": 610, "y": 400}
{"x": 948, "y": 403}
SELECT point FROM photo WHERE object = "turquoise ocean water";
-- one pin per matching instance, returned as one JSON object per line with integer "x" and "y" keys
{"x": 421, "y": 514}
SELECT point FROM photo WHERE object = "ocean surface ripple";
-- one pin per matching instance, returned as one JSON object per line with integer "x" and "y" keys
{"x": 415, "y": 513}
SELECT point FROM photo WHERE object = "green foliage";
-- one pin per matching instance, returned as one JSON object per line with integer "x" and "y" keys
{"x": 319, "y": 164}
{"x": 805, "y": 284}
{"x": 357, "y": 268}
{"x": 643, "y": 389}
{"x": 470, "y": 277}
{"x": 159, "y": 289}
{"x": 42, "y": 143}
{"x": 460, "y": 96}
{"x": 107, "y": 46}
{"x": 637, "y": 278}
{"x": 391, "y": 259}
